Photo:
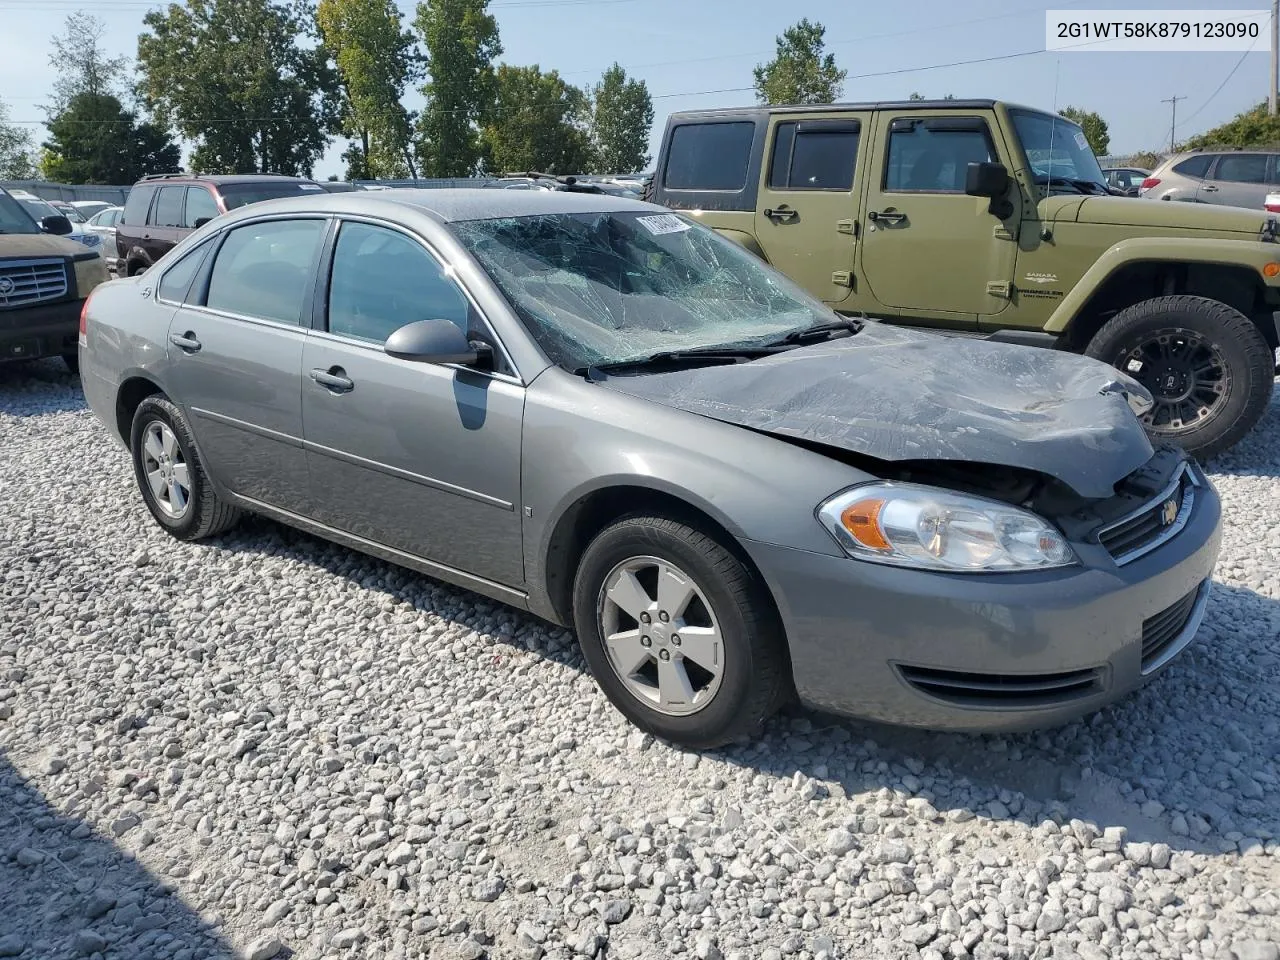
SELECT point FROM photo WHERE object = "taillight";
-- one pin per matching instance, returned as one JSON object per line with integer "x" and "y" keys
{"x": 1150, "y": 182}
{"x": 84, "y": 312}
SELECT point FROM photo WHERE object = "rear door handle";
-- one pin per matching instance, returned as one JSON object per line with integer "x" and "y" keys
{"x": 334, "y": 379}
{"x": 1209, "y": 188}
{"x": 187, "y": 342}
{"x": 782, "y": 214}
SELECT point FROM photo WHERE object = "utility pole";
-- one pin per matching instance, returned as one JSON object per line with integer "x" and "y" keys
{"x": 1275, "y": 57}
{"x": 1173, "y": 126}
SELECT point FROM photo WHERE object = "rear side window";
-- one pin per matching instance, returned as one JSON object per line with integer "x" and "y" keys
{"x": 1194, "y": 166}
{"x": 177, "y": 279}
{"x": 709, "y": 156}
{"x": 814, "y": 155}
{"x": 200, "y": 206}
{"x": 934, "y": 160}
{"x": 1242, "y": 168}
{"x": 168, "y": 210}
{"x": 263, "y": 269}
{"x": 135, "y": 207}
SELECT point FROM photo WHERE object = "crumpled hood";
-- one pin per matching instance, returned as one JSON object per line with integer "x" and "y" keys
{"x": 897, "y": 394}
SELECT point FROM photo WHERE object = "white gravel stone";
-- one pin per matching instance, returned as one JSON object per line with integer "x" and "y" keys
{"x": 322, "y": 754}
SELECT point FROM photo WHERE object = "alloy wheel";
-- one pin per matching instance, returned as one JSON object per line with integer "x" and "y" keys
{"x": 166, "y": 470}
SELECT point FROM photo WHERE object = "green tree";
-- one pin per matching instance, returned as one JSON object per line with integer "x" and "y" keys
{"x": 376, "y": 60}
{"x": 1252, "y": 128}
{"x": 1094, "y": 127}
{"x": 239, "y": 79}
{"x": 621, "y": 118}
{"x": 800, "y": 72}
{"x": 16, "y": 148}
{"x": 538, "y": 122}
{"x": 96, "y": 140}
{"x": 1147, "y": 160}
{"x": 461, "y": 38}
{"x": 82, "y": 64}
{"x": 921, "y": 96}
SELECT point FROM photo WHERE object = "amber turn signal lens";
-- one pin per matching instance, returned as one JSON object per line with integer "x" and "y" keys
{"x": 1271, "y": 270}
{"x": 862, "y": 520}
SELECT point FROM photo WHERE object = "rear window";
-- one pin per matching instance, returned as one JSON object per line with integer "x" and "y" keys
{"x": 135, "y": 207}
{"x": 1194, "y": 166}
{"x": 709, "y": 156}
{"x": 239, "y": 194}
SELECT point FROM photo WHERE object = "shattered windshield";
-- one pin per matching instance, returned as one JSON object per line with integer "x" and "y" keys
{"x": 604, "y": 288}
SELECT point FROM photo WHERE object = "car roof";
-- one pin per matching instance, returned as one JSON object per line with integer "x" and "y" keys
{"x": 456, "y": 203}
{"x": 978, "y": 104}
{"x": 217, "y": 178}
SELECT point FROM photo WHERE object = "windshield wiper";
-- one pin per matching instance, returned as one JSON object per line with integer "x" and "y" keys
{"x": 679, "y": 357}
{"x": 850, "y": 325}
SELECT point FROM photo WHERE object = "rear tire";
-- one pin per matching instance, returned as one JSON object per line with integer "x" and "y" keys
{"x": 1208, "y": 366}
{"x": 170, "y": 475}
{"x": 732, "y": 657}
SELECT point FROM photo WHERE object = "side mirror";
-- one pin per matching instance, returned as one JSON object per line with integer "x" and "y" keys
{"x": 57, "y": 224}
{"x": 201, "y": 221}
{"x": 986, "y": 180}
{"x": 435, "y": 341}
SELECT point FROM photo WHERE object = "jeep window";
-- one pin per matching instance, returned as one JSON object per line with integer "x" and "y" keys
{"x": 597, "y": 288}
{"x": 135, "y": 207}
{"x": 168, "y": 209}
{"x": 239, "y": 194}
{"x": 1195, "y": 167}
{"x": 924, "y": 158}
{"x": 1242, "y": 168}
{"x": 709, "y": 156}
{"x": 1057, "y": 150}
{"x": 814, "y": 155}
{"x": 14, "y": 219}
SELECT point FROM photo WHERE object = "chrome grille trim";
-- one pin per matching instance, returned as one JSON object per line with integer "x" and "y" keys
{"x": 1184, "y": 480}
{"x": 24, "y": 282}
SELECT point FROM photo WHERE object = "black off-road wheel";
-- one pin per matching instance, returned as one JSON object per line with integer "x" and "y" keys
{"x": 171, "y": 477}
{"x": 1208, "y": 367}
{"x": 679, "y": 633}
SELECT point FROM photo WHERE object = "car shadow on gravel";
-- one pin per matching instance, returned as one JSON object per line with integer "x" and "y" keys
{"x": 37, "y": 388}
{"x": 1166, "y": 743}
{"x": 68, "y": 892}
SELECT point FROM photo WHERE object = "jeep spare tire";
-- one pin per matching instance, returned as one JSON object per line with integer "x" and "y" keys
{"x": 1207, "y": 366}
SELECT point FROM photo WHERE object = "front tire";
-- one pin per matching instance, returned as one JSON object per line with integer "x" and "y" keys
{"x": 1207, "y": 365}
{"x": 171, "y": 477}
{"x": 679, "y": 633}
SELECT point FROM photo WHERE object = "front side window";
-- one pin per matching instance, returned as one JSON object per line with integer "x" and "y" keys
{"x": 168, "y": 212}
{"x": 612, "y": 287}
{"x": 934, "y": 157}
{"x": 814, "y": 155}
{"x": 383, "y": 279}
{"x": 177, "y": 279}
{"x": 200, "y": 206}
{"x": 709, "y": 156}
{"x": 1242, "y": 168}
{"x": 263, "y": 269}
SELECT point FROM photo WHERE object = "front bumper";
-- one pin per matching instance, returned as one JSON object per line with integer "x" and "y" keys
{"x": 44, "y": 330}
{"x": 989, "y": 652}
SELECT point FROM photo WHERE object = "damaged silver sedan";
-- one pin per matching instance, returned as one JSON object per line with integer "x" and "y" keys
{"x": 600, "y": 412}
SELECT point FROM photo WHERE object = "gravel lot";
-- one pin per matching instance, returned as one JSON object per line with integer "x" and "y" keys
{"x": 266, "y": 746}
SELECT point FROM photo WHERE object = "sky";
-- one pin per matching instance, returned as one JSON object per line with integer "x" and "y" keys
{"x": 697, "y": 54}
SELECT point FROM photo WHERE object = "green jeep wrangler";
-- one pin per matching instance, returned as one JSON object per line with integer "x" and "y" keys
{"x": 987, "y": 219}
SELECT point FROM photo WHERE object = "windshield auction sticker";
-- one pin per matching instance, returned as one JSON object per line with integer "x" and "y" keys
{"x": 663, "y": 223}
{"x": 1131, "y": 31}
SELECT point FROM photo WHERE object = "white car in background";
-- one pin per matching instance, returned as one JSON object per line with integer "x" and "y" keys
{"x": 38, "y": 209}
{"x": 103, "y": 223}
{"x": 91, "y": 208}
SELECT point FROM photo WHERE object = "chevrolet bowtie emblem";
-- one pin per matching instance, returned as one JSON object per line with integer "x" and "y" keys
{"x": 1168, "y": 512}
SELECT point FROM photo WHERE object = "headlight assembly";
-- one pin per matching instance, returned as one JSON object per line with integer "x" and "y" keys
{"x": 910, "y": 525}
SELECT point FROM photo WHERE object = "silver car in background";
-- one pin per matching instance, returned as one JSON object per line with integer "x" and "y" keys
{"x": 603, "y": 413}
{"x": 1235, "y": 178}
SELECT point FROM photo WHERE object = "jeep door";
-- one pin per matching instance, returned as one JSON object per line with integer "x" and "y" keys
{"x": 930, "y": 253}
{"x": 807, "y": 211}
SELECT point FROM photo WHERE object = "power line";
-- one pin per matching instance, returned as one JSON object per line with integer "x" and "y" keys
{"x": 1173, "y": 126}
{"x": 1228, "y": 77}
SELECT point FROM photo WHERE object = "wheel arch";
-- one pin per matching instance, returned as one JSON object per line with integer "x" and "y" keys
{"x": 133, "y": 390}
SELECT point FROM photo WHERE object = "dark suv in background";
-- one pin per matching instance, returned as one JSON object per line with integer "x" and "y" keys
{"x": 164, "y": 208}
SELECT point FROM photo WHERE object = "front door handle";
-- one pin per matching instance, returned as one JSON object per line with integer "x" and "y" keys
{"x": 1209, "y": 188}
{"x": 186, "y": 342}
{"x": 334, "y": 378}
{"x": 886, "y": 217}
{"x": 782, "y": 214}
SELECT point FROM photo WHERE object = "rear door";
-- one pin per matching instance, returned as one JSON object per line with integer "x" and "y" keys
{"x": 807, "y": 212}
{"x": 1237, "y": 180}
{"x": 165, "y": 224}
{"x": 235, "y": 349}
